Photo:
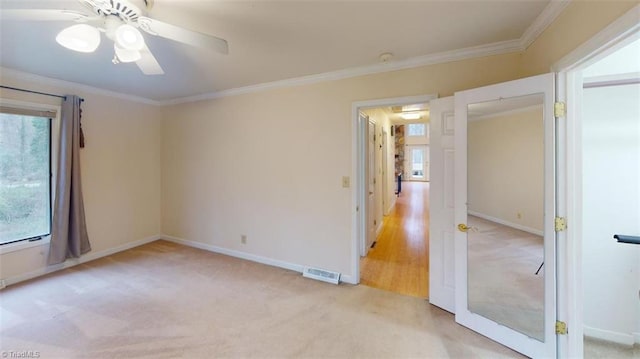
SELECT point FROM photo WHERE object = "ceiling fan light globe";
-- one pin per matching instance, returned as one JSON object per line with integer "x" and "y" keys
{"x": 130, "y": 38}
{"x": 80, "y": 37}
{"x": 126, "y": 55}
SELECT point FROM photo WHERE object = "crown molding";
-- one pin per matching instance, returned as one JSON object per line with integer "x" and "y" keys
{"x": 25, "y": 76}
{"x": 546, "y": 18}
{"x": 617, "y": 34}
{"x": 548, "y": 15}
{"x": 496, "y": 48}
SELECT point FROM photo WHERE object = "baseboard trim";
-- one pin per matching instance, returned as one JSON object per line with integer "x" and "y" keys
{"x": 507, "y": 223}
{"x": 237, "y": 254}
{"x": 246, "y": 256}
{"x": 611, "y": 336}
{"x": 379, "y": 228}
{"x": 75, "y": 261}
{"x": 392, "y": 204}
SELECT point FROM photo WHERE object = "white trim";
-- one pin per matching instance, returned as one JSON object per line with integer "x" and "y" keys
{"x": 570, "y": 294}
{"x": 24, "y": 244}
{"x": 234, "y": 253}
{"x": 496, "y": 48}
{"x": 609, "y": 336}
{"x": 393, "y": 202}
{"x": 379, "y": 228}
{"x": 71, "y": 86}
{"x": 246, "y": 256}
{"x": 75, "y": 261}
{"x": 358, "y": 217}
{"x": 546, "y": 18}
{"x": 53, "y": 156}
{"x": 507, "y": 112}
{"x": 537, "y": 232}
{"x": 618, "y": 33}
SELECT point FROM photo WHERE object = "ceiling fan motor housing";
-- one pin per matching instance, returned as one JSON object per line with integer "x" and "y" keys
{"x": 126, "y": 10}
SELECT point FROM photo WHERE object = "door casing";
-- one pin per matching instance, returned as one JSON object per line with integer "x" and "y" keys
{"x": 358, "y": 173}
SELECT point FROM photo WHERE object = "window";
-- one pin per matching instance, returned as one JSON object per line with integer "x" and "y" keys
{"x": 25, "y": 174}
{"x": 417, "y": 129}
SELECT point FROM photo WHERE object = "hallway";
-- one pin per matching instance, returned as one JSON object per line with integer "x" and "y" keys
{"x": 399, "y": 262}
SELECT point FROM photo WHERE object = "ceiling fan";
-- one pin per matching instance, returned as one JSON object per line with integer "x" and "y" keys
{"x": 121, "y": 22}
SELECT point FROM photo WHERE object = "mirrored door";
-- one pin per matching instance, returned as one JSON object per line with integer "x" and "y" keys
{"x": 504, "y": 210}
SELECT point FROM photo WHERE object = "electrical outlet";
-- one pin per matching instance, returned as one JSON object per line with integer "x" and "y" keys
{"x": 519, "y": 215}
{"x": 346, "y": 182}
{"x": 243, "y": 239}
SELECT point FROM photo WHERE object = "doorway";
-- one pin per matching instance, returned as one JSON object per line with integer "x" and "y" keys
{"x": 590, "y": 143}
{"x": 417, "y": 163}
{"x": 395, "y": 256}
{"x": 610, "y": 142}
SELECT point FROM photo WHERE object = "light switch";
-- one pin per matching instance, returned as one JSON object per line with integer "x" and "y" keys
{"x": 346, "y": 181}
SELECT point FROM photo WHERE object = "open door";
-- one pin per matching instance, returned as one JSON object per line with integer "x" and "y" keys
{"x": 441, "y": 226}
{"x": 505, "y": 257}
{"x": 371, "y": 186}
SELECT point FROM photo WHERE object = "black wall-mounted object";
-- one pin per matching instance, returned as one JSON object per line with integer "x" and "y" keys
{"x": 627, "y": 239}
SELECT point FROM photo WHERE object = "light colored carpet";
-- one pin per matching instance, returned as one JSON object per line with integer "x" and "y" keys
{"x": 595, "y": 348}
{"x": 501, "y": 276}
{"x": 163, "y": 300}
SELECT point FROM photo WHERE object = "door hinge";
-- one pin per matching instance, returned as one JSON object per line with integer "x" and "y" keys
{"x": 559, "y": 109}
{"x": 560, "y": 224}
{"x": 561, "y": 328}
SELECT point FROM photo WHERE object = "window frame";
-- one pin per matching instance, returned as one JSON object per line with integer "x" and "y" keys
{"x": 424, "y": 129}
{"x": 54, "y": 136}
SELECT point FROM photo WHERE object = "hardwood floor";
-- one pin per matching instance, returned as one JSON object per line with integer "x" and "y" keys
{"x": 400, "y": 260}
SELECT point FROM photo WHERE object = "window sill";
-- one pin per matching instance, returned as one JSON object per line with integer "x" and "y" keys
{"x": 18, "y": 246}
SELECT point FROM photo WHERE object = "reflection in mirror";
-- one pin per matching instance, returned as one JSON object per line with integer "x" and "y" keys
{"x": 505, "y": 212}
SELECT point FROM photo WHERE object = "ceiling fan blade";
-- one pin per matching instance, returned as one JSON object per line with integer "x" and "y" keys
{"x": 176, "y": 33}
{"x": 148, "y": 63}
{"x": 43, "y": 15}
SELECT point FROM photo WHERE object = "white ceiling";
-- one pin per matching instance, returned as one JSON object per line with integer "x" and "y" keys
{"x": 271, "y": 40}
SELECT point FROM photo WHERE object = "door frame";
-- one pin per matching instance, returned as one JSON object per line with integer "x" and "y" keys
{"x": 358, "y": 158}
{"x": 569, "y": 171}
{"x": 370, "y": 180}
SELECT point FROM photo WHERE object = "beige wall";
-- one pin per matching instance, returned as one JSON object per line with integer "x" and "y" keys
{"x": 269, "y": 164}
{"x": 506, "y": 169}
{"x": 120, "y": 173}
{"x": 580, "y": 21}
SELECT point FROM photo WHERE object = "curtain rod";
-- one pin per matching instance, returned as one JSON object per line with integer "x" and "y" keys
{"x": 36, "y": 92}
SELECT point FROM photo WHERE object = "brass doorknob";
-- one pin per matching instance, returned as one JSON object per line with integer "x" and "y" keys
{"x": 463, "y": 227}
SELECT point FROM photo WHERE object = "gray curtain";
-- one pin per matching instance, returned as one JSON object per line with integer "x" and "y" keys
{"x": 69, "y": 238}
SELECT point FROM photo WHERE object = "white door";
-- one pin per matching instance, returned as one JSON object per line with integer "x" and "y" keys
{"x": 504, "y": 211}
{"x": 416, "y": 166}
{"x": 371, "y": 185}
{"x": 442, "y": 227}
{"x": 385, "y": 182}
